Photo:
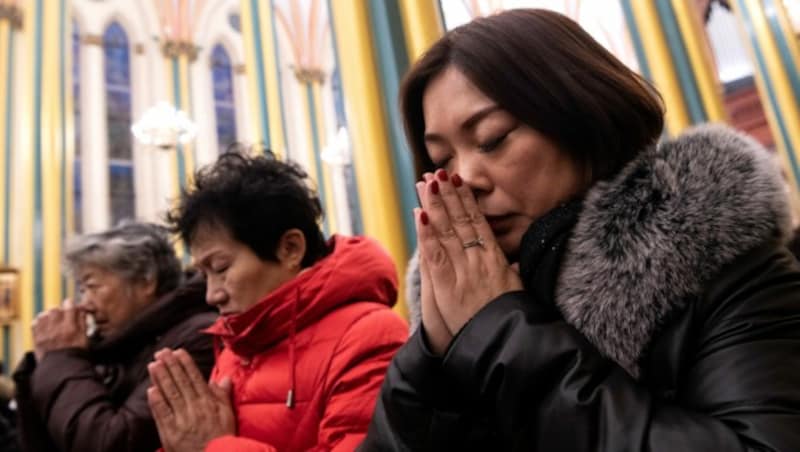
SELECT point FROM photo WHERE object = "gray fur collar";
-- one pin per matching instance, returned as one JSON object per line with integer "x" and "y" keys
{"x": 650, "y": 239}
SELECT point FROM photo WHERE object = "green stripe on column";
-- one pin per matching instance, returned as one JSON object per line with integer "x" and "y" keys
{"x": 38, "y": 226}
{"x": 190, "y": 109}
{"x": 278, "y": 77}
{"x": 783, "y": 47}
{"x": 262, "y": 90}
{"x": 636, "y": 38}
{"x": 392, "y": 56}
{"x": 680, "y": 60}
{"x": 62, "y": 93}
{"x": 176, "y": 99}
{"x": 176, "y": 95}
{"x": 7, "y": 349}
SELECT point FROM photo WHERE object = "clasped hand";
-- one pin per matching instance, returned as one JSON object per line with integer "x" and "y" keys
{"x": 462, "y": 268}
{"x": 59, "y": 328}
{"x": 189, "y": 412}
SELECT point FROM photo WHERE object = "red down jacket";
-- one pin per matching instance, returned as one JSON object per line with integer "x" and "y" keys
{"x": 307, "y": 362}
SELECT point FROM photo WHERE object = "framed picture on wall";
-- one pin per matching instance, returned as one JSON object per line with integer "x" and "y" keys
{"x": 9, "y": 294}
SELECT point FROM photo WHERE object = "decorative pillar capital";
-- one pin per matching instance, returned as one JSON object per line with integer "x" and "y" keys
{"x": 92, "y": 40}
{"x": 174, "y": 49}
{"x": 309, "y": 75}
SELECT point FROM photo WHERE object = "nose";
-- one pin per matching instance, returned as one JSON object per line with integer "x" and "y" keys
{"x": 214, "y": 292}
{"x": 86, "y": 303}
{"x": 471, "y": 167}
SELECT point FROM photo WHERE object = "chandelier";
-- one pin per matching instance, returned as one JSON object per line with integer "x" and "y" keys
{"x": 338, "y": 152}
{"x": 164, "y": 127}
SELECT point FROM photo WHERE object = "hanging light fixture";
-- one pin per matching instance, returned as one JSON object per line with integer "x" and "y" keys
{"x": 338, "y": 152}
{"x": 164, "y": 127}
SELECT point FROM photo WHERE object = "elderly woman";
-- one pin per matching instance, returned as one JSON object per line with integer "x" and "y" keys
{"x": 306, "y": 328}
{"x": 581, "y": 288}
{"x": 84, "y": 386}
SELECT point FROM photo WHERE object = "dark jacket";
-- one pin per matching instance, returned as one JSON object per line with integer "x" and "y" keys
{"x": 95, "y": 400}
{"x": 8, "y": 436}
{"x": 662, "y": 314}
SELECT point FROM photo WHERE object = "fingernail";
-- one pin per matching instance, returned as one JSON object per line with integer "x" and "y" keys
{"x": 423, "y": 217}
{"x": 442, "y": 175}
{"x": 435, "y": 188}
{"x": 456, "y": 180}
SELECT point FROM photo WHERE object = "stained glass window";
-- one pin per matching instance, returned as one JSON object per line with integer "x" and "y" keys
{"x": 118, "y": 113}
{"x": 77, "y": 198}
{"x": 224, "y": 106}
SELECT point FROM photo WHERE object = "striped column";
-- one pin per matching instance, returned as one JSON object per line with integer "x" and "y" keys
{"x": 263, "y": 76}
{"x": 400, "y": 29}
{"x": 40, "y": 154}
{"x": 423, "y": 23}
{"x": 668, "y": 39}
{"x": 774, "y": 48}
{"x": 179, "y": 55}
{"x": 311, "y": 82}
{"x": 6, "y": 131}
{"x": 380, "y": 200}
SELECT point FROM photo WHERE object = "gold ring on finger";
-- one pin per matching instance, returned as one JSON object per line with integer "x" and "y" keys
{"x": 472, "y": 243}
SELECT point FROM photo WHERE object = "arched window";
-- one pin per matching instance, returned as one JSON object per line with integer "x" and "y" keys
{"x": 224, "y": 106}
{"x": 77, "y": 198}
{"x": 118, "y": 113}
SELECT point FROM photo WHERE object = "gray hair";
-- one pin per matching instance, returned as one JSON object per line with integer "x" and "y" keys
{"x": 136, "y": 251}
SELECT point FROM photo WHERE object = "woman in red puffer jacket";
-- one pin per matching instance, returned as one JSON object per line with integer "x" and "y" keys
{"x": 306, "y": 329}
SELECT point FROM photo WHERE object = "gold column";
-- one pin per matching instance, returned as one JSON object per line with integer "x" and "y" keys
{"x": 378, "y": 194}
{"x": 423, "y": 25}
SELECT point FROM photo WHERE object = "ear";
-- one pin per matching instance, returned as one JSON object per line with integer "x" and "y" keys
{"x": 291, "y": 249}
{"x": 145, "y": 289}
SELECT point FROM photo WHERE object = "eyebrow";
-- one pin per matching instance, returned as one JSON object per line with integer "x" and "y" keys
{"x": 197, "y": 263}
{"x": 468, "y": 124}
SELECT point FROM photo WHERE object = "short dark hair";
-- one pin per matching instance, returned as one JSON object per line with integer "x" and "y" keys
{"x": 256, "y": 199}
{"x": 549, "y": 73}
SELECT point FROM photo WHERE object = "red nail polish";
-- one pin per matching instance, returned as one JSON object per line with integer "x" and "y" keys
{"x": 456, "y": 180}
{"x": 423, "y": 217}
{"x": 442, "y": 175}
{"x": 435, "y": 188}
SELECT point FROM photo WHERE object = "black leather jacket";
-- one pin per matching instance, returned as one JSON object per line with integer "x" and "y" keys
{"x": 715, "y": 339}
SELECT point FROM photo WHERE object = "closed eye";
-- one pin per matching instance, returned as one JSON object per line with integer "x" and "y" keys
{"x": 441, "y": 164}
{"x": 494, "y": 143}
{"x": 219, "y": 270}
